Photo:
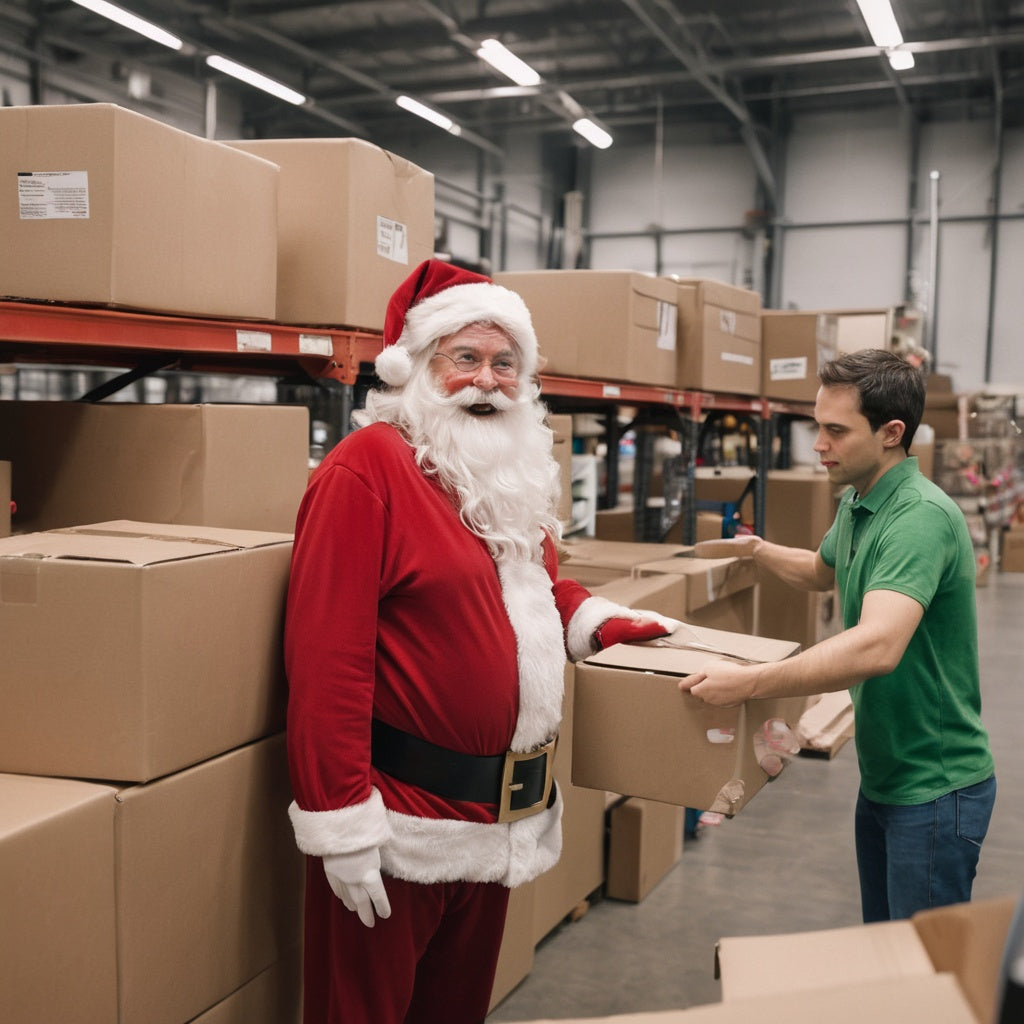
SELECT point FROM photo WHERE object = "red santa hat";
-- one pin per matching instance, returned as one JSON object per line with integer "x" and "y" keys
{"x": 438, "y": 299}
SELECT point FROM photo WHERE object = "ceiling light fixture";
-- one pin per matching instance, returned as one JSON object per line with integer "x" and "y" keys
{"x": 881, "y": 23}
{"x": 593, "y": 133}
{"x": 428, "y": 114}
{"x": 128, "y": 20}
{"x": 255, "y": 78}
{"x": 504, "y": 60}
{"x": 900, "y": 59}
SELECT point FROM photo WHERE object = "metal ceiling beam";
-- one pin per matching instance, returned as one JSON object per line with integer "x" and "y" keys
{"x": 695, "y": 63}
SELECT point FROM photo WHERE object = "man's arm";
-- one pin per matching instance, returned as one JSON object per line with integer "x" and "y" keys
{"x": 799, "y": 567}
{"x": 872, "y": 648}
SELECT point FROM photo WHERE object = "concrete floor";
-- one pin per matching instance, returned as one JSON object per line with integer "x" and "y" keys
{"x": 785, "y": 863}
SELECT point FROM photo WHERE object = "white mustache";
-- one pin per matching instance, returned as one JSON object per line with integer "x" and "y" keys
{"x": 470, "y": 396}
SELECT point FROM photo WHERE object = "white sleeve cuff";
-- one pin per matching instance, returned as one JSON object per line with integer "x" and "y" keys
{"x": 593, "y": 612}
{"x": 345, "y": 830}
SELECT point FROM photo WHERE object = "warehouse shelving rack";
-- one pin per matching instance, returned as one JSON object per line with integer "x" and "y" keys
{"x": 145, "y": 343}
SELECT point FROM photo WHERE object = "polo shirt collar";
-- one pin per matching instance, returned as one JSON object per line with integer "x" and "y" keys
{"x": 889, "y": 482}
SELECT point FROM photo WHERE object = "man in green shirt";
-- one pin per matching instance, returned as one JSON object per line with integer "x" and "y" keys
{"x": 902, "y": 558}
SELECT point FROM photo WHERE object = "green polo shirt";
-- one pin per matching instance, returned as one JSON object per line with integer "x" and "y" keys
{"x": 918, "y": 729}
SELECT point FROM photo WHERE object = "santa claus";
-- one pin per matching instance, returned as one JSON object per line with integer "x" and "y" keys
{"x": 426, "y": 636}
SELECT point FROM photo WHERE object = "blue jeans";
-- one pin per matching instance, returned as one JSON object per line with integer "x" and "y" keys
{"x": 923, "y": 855}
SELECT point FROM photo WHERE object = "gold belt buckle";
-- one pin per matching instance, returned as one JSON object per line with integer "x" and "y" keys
{"x": 510, "y": 786}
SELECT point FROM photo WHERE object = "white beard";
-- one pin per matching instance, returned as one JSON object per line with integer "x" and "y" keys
{"x": 498, "y": 467}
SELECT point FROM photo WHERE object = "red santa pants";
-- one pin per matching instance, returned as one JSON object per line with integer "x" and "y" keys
{"x": 432, "y": 962}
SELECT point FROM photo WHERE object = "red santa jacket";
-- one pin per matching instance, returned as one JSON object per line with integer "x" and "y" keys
{"x": 396, "y": 611}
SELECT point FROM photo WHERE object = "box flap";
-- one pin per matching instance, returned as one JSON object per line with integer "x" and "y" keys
{"x": 134, "y": 543}
{"x": 771, "y": 965}
{"x": 690, "y": 647}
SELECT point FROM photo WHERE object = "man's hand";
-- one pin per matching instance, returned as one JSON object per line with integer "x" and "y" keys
{"x": 742, "y": 546}
{"x": 647, "y": 626}
{"x": 356, "y": 880}
{"x": 721, "y": 683}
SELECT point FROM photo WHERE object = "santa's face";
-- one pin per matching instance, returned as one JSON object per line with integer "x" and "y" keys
{"x": 481, "y": 357}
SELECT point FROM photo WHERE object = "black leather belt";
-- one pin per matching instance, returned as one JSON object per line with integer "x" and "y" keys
{"x": 520, "y": 784}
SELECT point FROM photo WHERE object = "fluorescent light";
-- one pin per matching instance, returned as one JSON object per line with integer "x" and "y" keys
{"x": 505, "y": 61}
{"x": 132, "y": 21}
{"x": 594, "y": 134}
{"x": 428, "y": 114}
{"x": 900, "y": 59}
{"x": 260, "y": 81}
{"x": 881, "y": 22}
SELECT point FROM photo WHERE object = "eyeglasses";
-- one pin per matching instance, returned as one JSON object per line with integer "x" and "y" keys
{"x": 503, "y": 367}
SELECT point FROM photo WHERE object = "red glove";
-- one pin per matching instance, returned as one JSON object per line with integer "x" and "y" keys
{"x": 627, "y": 631}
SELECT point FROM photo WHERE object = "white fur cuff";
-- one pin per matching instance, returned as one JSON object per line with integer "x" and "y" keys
{"x": 320, "y": 833}
{"x": 593, "y": 612}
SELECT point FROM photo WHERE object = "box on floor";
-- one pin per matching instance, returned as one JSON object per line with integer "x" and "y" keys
{"x": 273, "y": 997}
{"x": 239, "y": 466}
{"x": 637, "y": 735}
{"x": 645, "y": 841}
{"x": 826, "y": 724}
{"x": 604, "y": 324}
{"x": 353, "y": 222}
{"x": 134, "y": 649}
{"x": 926, "y": 1000}
{"x": 147, "y": 904}
{"x": 966, "y": 940}
{"x": 1011, "y": 558}
{"x": 719, "y": 337}
{"x": 107, "y": 206}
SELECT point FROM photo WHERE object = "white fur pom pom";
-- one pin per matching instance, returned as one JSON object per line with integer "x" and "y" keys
{"x": 394, "y": 366}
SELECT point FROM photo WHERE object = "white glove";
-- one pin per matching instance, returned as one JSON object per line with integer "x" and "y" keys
{"x": 355, "y": 879}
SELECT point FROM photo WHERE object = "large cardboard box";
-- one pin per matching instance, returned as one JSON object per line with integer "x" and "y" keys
{"x": 515, "y": 958}
{"x": 273, "y": 997}
{"x": 920, "y": 1000}
{"x": 708, "y": 580}
{"x": 966, "y": 940}
{"x": 237, "y": 466}
{"x": 645, "y": 841}
{"x": 593, "y": 562}
{"x": 58, "y": 936}
{"x": 106, "y": 206}
{"x": 796, "y": 344}
{"x": 134, "y": 649}
{"x": 353, "y": 222}
{"x": 637, "y": 735}
{"x": 603, "y": 324}
{"x": 1011, "y": 558}
{"x": 719, "y": 337}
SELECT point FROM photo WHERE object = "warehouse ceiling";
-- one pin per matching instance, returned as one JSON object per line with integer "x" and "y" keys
{"x": 742, "y": 66}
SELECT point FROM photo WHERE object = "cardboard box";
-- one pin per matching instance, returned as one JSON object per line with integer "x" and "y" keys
{"x": 826, "y": 724}
{"x": 236, "y": 466}
{"x": 5, "y": 499}
{"x": 719, "y": 337}
{"x": 603, "y": 324}
{"x": 353, "y": 222}
{"x": 106, "y": 206}
{"x": 57, "y": 931}
{"x": 273, "y": 997}
{"x": 593, "y": 562}
{"x": 707, "y": 579}
{"x": 636, "y": 734}
{"x": 209, "y": 855}
{"x": 858, "y": 329}
{"x": 134, "y": 649}
{"x": 965, "y": 939}
{"x": 515, "y": 959}
{"x": 724, "y": 485}
{"x": 786, "y": 613}
{"x": 580, "y": 870}
{"x": 920, "y": 1000}
{"x": 618, "y": 524}
{"x": 796, "y": 345}
{"x": 561, "y": 430}
{"x": 1012, "y": 557}
{"x": 645, "y": 841}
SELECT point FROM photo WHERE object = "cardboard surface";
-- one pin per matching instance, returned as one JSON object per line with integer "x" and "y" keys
{"x": 5, "y": 498}
{"x": 237, "y": 466}
{"x": 106, "y": 206}
{"x": 796, "y": 344}
{"x": 719, "y": 337}
{"x": 602, "y": 324}
{"x": 637, "y": 735}
{"x": 594, "y": 562}
{"x": 1011, "y": 558}
{"x": 515, "y": 959}
{"x": 134, "y": 649}
{"x": 645, "y": 843}
{"x": 272, "y": 997}
{"x": 57, "y": 927}
{"x": 209, "y": 854}
{"x": 932, "y": 999}
{"x": 354, "y": 221}
{"x": 707, "y": 579}
{"x": 561, "y": 448}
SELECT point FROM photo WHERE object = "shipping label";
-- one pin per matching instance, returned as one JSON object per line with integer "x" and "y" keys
{"x": 53, "y": 195}
{"x": 392, "y": 240}
{"x": 790, "y": 368}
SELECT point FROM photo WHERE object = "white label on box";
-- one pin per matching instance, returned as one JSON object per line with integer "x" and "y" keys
{"x": 316, "y": 345}
{"x": 727, "y": 321}
{"x": 252, "y": 341}
{"x": 392, "y": 240}
{"x": 791, "y": 368}
{"x": 668, "y": 314}
{"x": 611, "y": 391}
{"x": 53, "y": 195}
{"x": 737, "y": 357}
